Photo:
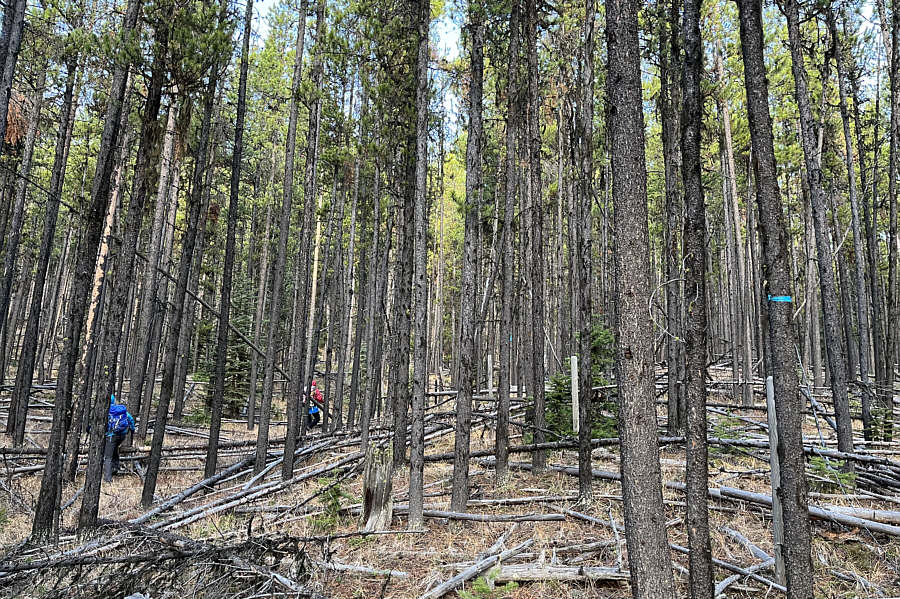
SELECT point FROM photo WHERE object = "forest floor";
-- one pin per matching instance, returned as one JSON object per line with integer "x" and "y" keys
{"x": 307, "y": 530}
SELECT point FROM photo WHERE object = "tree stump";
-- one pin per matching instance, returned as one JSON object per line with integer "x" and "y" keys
{"x": 378, "y": 502}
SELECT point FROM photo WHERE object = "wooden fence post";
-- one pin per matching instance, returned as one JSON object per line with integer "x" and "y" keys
{"x": 574, "y": 377}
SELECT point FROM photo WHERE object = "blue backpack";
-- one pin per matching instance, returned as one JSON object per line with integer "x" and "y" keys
{"x": 118, "y": 420}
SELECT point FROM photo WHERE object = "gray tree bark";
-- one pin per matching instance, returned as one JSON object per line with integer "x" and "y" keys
{"x": 836, "y": 361}
{"x": 777, "y": 288}
{"x": 420, "y": 308}
{"x": 648, "y": 549}
{"x": 468, "y": 293}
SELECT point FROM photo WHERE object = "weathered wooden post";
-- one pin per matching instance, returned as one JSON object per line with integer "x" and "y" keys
{"x": 573, "y": 362}
{"x": 775, "y": 477}
{"x": 378, "y": 502}
{"x": 490, "y": 376}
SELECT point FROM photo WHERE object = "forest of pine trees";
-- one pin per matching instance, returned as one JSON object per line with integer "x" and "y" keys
{"x": 600, "y": 298}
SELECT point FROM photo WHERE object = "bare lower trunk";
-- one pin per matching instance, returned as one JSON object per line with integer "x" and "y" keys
{"x": 696, "y": 333}
{"x": 648, "y": 551}
{"x": 420, "y": 308}
{"x": 836, "y": 362}
{"x": 460, "y": 494}
{"x": 777, "y": 290}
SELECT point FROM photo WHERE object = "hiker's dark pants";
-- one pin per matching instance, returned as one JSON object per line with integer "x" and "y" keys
{"x": 111, "y": 455}
{"x": 312, "y": 420}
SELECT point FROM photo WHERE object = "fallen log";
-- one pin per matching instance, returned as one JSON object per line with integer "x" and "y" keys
{"x": 494, "y": 517}
{"x": 337, "y": 567}
{"x": 203, "y": 484}
{"x": 473, "y": 571}
{"x": 544, "y": 573}
{"x": 883, "y": 516}
{"x": 727, "y": 582}
{"x": 736, "y": 569}
{"x": 522, "y": 500}
{"x": 816, "y": 512}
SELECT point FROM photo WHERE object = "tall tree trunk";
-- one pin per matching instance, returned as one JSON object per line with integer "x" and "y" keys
{"x": 399, "y": 367}
{"x": 777, "y": 288}
{"x": 233, "y": 209}
{"x": 584, "y": 146}
{"x": 696, "y": 332}
{"x": 190, "y": 334}
{"x": 373, "y": 378}
{"x": 886, "y": 416}
{"x": 262, "y": 438}
{"x": 836, "y": 362}
{"x": 347, "y": 306}
{"x": 871, "y": 246}
{"x": 467, "y": 294}
{"x": 151, "y": 304}
{"x": 362, "y": 283}
{"x": 297, "y": 399}
{"x": 648, "y": 550}
{"x": 742, "y": 351}
{"x": 669, "y": 59}
{"x": 184, "y": 272}
{"x": 422, "y": 13}
{"x": 47, "y": 525}
{"x": 507, "y": 299}
{"x": 17, "y": 223}
{"x": 535, "y": 284}
{"x": 46, "y": 515}
{"x": 260, "y": 313}
{"x": 121, "y": 284}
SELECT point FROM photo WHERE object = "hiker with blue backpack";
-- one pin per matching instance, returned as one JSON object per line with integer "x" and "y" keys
{"x": 118, "y": 425}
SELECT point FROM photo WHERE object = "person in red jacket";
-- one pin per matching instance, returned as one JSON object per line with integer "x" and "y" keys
{"x": 314, "y": 416}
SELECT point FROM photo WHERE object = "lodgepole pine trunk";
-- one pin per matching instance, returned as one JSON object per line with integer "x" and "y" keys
{"x": 742, "y": 352}
{"x": 46, "y": 526}
{"x": 776, "y": 288}
{"x": 399, "y": 367}
{"x": 507, "y": 289}
{"x": 536, "y": 257}
{"x": 836, "y": 362}
{"x": 583, "y": 144}
{"x": 302, "y": 375}
{"x": 152, "y": 302}
{"x": 420, "y": 308}
{"x": 696, "y": 331}
{"x": 262, "y": 438}
{"x": 873, "y": 284}
{"x": 260, "y": 311}
{"x": 120, "y": 286}
{"x": 228, "y": 267}
{"x": 669, "y": 52}
{"x": 17, "y": 222}
{"x": 648, "y": 550}
{"x": 46, "y": 515}
{"x": 347, "y": 295}
{"x": 886, "y": 415}
{"x": 468, "y": 293}
{"x": 184, "y": 272}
